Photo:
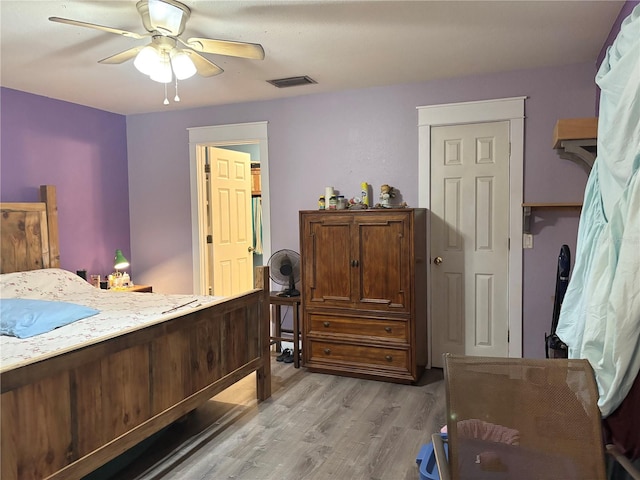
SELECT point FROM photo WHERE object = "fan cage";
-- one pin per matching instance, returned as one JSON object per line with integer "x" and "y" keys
{"x": 279, "y": 264}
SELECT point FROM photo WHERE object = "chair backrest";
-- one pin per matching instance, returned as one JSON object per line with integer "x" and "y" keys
{"x": 523, "y": 419}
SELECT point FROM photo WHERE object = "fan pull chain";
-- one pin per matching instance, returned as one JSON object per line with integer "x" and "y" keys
{"x": 176, "y": 98}
{"x": 166, "y": 100}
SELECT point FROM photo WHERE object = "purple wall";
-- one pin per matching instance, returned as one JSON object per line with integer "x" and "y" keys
{"x": 344, "y": 138}
{"x": 83, "y": 152}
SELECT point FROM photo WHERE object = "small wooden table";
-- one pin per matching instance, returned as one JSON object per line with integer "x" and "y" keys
{"x": 276, "y": 302}
{"x": 134, "y": 288}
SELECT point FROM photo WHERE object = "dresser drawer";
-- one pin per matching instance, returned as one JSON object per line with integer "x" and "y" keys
{"x": 357, "y": 355}
{"x": 393, "y": 330}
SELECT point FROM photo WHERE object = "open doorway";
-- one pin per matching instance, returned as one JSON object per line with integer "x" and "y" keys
{"x": 249, "y": 137}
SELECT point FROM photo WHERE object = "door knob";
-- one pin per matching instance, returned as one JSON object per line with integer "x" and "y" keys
{"x": 250, "y": 249}
{"x": 437, "y": 260}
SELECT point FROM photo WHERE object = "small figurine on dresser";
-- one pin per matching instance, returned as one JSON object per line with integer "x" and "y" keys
{"x": 386, "y": 193}
{"x": 355, "y": 203}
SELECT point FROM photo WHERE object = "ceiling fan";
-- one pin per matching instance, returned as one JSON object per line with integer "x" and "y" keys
{"x": 167, "y": 54}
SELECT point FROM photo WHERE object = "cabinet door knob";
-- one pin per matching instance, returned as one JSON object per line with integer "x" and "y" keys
{"x": 326, "y": 324}
{"x": 327, "y": 351}
{"x": 355, "y": 263}
{"x": 388, "y": 358}
{"x": 387, "y": 329}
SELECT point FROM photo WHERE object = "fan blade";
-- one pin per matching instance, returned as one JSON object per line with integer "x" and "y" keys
{"x": 204, "y": 67}
{"x": 226, "y": 47}
{"x": 98, "y": 27}
{"x": 122, "y": 56}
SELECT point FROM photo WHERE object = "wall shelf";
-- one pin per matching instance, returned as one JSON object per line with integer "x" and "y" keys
{"x": 528, "y": 207}
{"x": 575, "y": 139}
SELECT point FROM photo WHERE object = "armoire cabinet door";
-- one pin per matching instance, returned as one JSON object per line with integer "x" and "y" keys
{"x": 326, "y": 242}
{"x": 382, "y": 248}
{"x": 357, "y": 260}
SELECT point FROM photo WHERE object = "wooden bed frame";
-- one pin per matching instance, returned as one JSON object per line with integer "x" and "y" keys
{"x": 65, "y": 416}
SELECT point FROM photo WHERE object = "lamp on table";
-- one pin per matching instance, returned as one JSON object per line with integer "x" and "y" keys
{"x": 120, "y": 262}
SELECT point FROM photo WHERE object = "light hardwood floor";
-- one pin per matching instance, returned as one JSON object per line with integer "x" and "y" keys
{"x": 315, "y": 426}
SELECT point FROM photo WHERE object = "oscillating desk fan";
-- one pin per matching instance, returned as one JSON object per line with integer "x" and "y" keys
{"x": 284, "y": 269}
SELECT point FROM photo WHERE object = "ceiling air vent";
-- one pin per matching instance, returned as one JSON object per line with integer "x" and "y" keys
{"x": 291, "y": 81}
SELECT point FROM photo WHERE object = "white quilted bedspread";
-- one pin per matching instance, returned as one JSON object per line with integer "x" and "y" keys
{"x": 120, "y": 312}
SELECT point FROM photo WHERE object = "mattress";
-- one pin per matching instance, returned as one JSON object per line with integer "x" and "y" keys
{"x": 119, "y": 313}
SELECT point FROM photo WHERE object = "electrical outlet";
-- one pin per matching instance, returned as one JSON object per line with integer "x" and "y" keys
{"x": 527, "y": 240}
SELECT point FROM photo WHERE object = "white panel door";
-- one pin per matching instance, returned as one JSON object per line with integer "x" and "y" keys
{"x": 231, "y": 221}
{"x": 470, "y": 239}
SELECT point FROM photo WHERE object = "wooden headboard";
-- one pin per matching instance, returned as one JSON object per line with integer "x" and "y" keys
{"x": 29, "y": 234}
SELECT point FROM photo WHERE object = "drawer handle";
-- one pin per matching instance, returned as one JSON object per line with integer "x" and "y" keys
{"x": 387, "y": 329}
{"x": 388, "y": 358}
{"x": 327, "y": 324}
{"x": 327, "y": 351}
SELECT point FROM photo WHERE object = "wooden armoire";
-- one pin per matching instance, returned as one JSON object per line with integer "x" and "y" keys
{"x": 364, "y": 292}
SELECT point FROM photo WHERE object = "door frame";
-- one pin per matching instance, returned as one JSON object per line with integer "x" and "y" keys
{"x": 220, "y": 136}
{"x": 483, "y": 111}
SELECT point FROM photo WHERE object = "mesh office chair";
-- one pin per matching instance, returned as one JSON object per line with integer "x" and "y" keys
{"x": 521, "y": 419}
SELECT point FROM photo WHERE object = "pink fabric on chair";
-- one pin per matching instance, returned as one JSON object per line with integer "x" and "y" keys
{"x": 482, "y": 430}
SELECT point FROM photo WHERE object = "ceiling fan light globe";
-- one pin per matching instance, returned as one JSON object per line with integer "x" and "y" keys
{"x": 162, "y": 73}
{"x": 147, "y": 60}
{"x": 183, "y": 66}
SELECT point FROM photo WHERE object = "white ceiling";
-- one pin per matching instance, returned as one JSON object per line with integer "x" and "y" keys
{"x": 340, "y": 44}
